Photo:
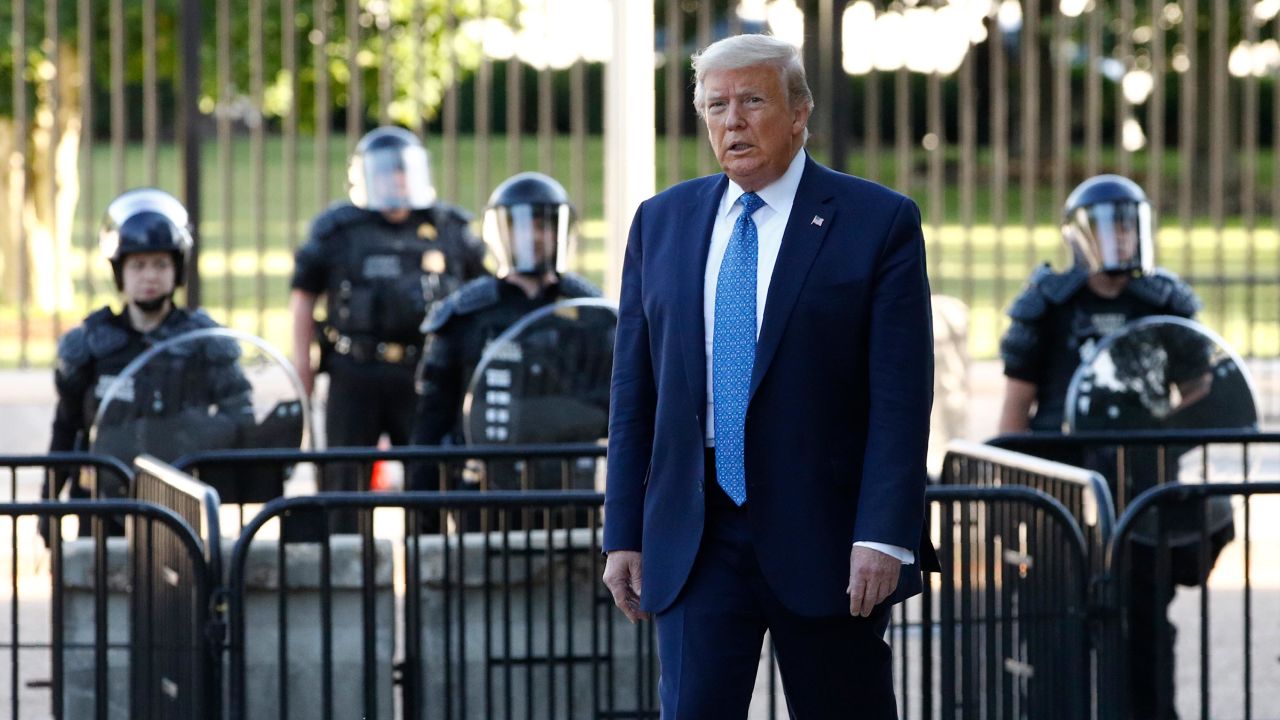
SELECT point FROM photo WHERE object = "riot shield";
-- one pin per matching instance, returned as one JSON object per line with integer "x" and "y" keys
{"x": 1167, "y": 373}
{"x": 208, "y": 389}
{"x": 544, "y": 380}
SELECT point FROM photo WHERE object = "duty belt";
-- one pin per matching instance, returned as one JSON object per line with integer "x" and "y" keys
{"x": 369, "y": 349}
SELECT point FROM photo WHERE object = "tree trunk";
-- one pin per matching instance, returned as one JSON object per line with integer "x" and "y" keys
{"x": 43, "y": 198}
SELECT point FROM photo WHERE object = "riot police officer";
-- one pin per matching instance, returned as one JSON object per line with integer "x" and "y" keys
{"x": 1056, "y": 322}
{"x": 146, "y": 238}
{"x": 381, "y": 261}
{"x": 1058, "y": 317}
{"x": 529, "y": 224}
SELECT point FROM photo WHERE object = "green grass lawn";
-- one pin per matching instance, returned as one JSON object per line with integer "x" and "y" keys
{"x": 245, "y": 273}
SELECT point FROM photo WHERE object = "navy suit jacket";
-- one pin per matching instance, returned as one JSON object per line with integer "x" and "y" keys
{"x": 838, "y": 418}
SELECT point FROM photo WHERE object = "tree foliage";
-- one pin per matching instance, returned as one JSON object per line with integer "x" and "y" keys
{"x": 417, "y": 42}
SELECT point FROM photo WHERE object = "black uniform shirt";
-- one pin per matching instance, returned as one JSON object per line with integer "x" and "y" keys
{"x": 373, "y": 270}
{"x": 1045, "y": 345}
{"x": 454, "y": 348}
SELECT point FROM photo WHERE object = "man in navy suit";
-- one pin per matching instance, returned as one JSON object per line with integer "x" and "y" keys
{"x": 770, "y": 410}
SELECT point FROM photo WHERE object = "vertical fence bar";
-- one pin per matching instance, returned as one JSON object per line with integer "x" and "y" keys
{"x": 578, "y": 129}
{"x": 53, "y": 41}
{"x": 258, "y": 182}
{"x": 118, "y": 129}
{"x": 546, "y": 110}
{"x": 674, "y": 94}
{"x": 822, "y": 70}
{"x": 704, "y": 39}
{"x": 935, "y": 146}
{"x": 451, "y": 166}
{"x": 1030, "y": 75}
{"x": 150, "y": 104}
{"x": 289, "y": 145}
{"x": 1093, "y": 93}
{"x": 1124, "y": 47}
{"x": 1275, "y": 169}
{"x": 188, "y": 133}
{"x": 515, "y": 108}
{"x": 355, "y": 78}
{"x": 483, "y": 87}
{"x": 1061, "y": 68}
{"x": 1187, "y": 129}
{"x": 386, "y": 67}
{"x": 84, "y": 36}
{"x": 1155, "y": 109}
{"x": 1248, "y": 185}
{"x": 1218, "y": 123}
{"x": 968, "y": 127}
{"x": 999, "y": 111}
{"x": 226, "y": 184}
{"x": 902, "y": 128}
{"x": 320, "y": 60}
{"x": 546, "y": 121}
{"x": 417, "y": 20}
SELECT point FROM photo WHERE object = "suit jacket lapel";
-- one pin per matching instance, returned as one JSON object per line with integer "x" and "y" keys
{"x": 800, "y": 244}
{"x": 698, "y": 221}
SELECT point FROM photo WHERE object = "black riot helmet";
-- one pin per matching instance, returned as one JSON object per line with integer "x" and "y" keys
{"x": 529, "y": 224}
{"x": 390, "y": 170}
{"x": 145, "y": 220}
{"x": 1107, "y": 222}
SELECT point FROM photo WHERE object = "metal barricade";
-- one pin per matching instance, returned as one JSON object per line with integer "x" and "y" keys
{"x": 1004, "y": 628}
{"x": 577, "y": 466}
{"x": 502, "y": 615}
{"x": 1137, "y": 589}
{"x": 1084, "y": 493}
{"x": 197, "y": 504}
{"x": 495, "y": 620}
{"x": 32, "y": 477}
{"x": 74, "y": 647}
{"x": 1124, "y": 458}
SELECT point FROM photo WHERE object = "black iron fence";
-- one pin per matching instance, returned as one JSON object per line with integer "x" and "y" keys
{"x": 1158, "y": 586}
{"x": 118, "y": 630}
{"x": 488, "y": 604}
{"x": 1083, "y": 493}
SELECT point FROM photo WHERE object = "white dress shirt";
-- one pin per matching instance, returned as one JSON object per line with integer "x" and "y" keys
{"x": 771, "y": 222}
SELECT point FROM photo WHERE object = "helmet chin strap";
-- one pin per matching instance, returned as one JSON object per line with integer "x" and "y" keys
{"x": 153, "y": 305}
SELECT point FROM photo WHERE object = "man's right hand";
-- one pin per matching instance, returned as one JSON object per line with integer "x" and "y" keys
{"x": 622, "y": 577}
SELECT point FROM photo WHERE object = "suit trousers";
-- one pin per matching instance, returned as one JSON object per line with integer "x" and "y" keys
{"x": 710, "y": 638}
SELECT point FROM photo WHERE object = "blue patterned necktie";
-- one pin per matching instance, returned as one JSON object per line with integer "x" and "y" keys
{"x": 734, "y": 348}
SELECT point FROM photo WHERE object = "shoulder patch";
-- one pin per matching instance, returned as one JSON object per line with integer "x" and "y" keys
{"x": 573, "y": 285}
{"x": 475, "y": 295}
{"x": 338, "y": 216}
{"x": 1166, "y": 291}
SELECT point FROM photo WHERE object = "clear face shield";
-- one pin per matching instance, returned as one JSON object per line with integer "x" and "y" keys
{"x": 529, "y": 239}
{"x": 391, "y": 178}
{"x": 1112, "y": 237}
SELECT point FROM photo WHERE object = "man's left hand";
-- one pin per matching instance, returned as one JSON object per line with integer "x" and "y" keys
{"x": 873, "y": 576}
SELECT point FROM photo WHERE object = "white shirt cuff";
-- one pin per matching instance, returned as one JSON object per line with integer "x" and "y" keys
{"x": 906, "y": 556}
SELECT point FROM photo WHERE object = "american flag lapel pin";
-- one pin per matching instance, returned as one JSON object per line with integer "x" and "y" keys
{"x": 817, "y": 221}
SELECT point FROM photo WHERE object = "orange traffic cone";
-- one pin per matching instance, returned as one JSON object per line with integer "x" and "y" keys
{"x": 381, "y": 479}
